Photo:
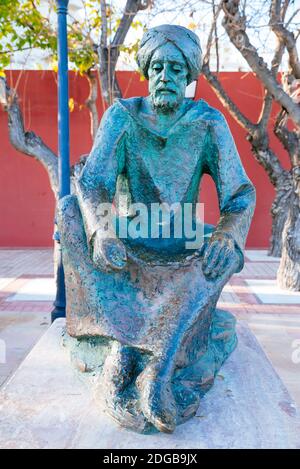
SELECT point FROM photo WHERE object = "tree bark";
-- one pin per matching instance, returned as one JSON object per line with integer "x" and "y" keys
{"x": 110, "y": 89}
{"x": 285, "y": 36}
{"x": 91, "y": 102}
{"x": 282, "y": 182}
{"x": 279, "y": 212}
{"x": 109, "y": 52}
{"x": 288, "y": 276}
{"x": 235, "y": 26}
{"x": 259, "y": 140}
{"x": 285, "y": 209}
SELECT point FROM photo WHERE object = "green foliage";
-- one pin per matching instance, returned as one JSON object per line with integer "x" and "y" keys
{"x": 26, "y": 25}
{"x": 23, "y": 27}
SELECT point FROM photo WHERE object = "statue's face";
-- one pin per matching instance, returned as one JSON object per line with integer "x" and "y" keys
{"x": 167, "y": 73}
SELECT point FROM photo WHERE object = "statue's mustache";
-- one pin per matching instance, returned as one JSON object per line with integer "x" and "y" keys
{"x": 163, "y": 88}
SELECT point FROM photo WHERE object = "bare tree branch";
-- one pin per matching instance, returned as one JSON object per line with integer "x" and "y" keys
{"x": 227, "y": 101}
{"x": 109, "y": 53}
{"x": 103, "y": 38}
{"x": 216, "y": 13}
{"x": 292, "y": 17}
{"x": 257, "y": 136}
{"x": 216, "y": 84}
{"x": 285, "y": 36}
{"x": 234, "y": 25}
{"x": 288, "y": 138}
{"x": 268, "y": 100}
{"x": 131, "y": 9}
{"x": 27, "y": 142}
{"x": 268, "y": 160}
{"x": 257, "y": 133}
{"x": 104, "y": 53}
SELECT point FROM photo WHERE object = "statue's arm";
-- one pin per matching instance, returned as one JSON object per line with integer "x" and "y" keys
{"x": 96, "y": 188}
{"x": 97, "y": 182}
{"x": 236, "y": 193}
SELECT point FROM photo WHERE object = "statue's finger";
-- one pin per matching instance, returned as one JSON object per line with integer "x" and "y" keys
{"x": 209, "y": 259}
{"x": 222, "y": 264}
{"x": 217, "y": 262}
{"x": 209, "y": 253}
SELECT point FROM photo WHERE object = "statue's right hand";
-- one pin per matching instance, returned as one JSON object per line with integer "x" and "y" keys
{"x": 108, "y": 253}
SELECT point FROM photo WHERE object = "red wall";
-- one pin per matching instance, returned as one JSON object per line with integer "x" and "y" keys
{"x": 26, "y": 201}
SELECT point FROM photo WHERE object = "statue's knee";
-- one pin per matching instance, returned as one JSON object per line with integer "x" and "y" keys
{"x": 70, "y": 223}
{"x": 68, "y": 207}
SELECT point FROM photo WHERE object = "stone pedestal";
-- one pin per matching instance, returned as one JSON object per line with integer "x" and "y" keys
{"x": 47, "y": 404}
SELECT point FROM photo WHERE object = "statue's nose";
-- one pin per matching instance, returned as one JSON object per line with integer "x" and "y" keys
{"x": 165, "y": 75}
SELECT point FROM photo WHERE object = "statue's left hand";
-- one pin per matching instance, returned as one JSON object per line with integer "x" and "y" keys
{"x": 219, "y": 256}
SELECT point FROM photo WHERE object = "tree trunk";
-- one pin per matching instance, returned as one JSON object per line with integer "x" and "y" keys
{"x": 109, "y": 86}
{"x": 288, "y": 276}
{"x": 279, "y": 212}
{"x": 109, "y": 53}
{"x": 281, "y": 180}
{"x": 91, "y": 102}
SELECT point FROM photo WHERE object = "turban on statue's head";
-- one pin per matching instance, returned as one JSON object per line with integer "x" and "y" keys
{"x": 184, "y": 39}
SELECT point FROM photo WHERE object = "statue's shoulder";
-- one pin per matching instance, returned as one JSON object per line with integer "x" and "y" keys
{"x": 118, "y": 112}
{"x": 207, "y": 113}
{"x": 121, "y": 112}
{"x": 129, "y": 105}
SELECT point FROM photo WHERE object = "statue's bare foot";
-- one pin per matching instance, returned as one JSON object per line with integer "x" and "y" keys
{"x": 156, "y": 400}
{"x": 117, "y": 375}
{"x": 118, "y": 370}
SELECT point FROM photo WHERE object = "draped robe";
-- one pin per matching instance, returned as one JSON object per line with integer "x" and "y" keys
{"x": 161, "y": 304}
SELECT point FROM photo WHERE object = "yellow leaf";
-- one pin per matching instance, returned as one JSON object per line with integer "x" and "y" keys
{"x": 142, "y": 78}
{"x": 2, "y": 73}
{"x": 192, "y": 26}
{"x": 71, "y": 104}
{"x": 54, "y": 65}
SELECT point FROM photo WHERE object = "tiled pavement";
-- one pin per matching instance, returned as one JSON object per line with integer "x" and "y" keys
{"x": 27, "y": 289}
{"x": 21, "y": 322}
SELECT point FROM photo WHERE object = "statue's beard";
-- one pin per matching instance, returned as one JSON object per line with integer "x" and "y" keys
{"x": 165, "y": 102}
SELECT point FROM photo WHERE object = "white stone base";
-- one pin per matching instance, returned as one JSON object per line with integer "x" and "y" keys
{"x": 46, "y": 405}
{"x": 269, "y": 292}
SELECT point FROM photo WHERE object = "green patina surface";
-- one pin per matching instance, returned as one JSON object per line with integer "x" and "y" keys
{"x": 142, "y": 309}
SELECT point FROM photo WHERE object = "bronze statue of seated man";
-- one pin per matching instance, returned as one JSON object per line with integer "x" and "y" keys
{"x": 143, "y": 308}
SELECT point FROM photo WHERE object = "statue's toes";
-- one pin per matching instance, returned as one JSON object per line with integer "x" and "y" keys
{"x": 188, "y": 402}
{"x": 163, "y": 420}
{"x": 119, "y": 368}
{"x": 117, "y": 375}
{"x": 124, "y": 412}
{"x": 157, "y": 403}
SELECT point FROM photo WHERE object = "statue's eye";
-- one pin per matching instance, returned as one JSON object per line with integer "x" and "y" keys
{"x": 177, "y": 68}
{"x": 157, "y": 67}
